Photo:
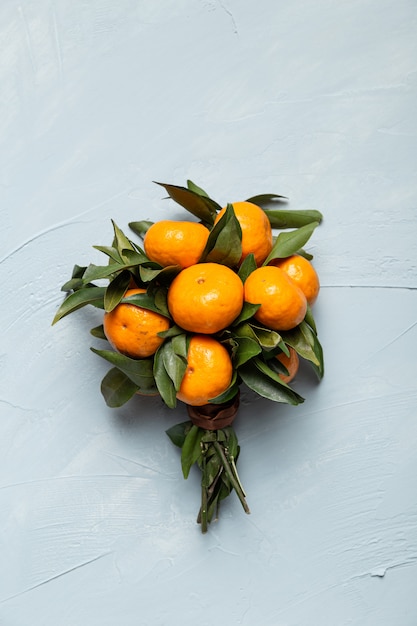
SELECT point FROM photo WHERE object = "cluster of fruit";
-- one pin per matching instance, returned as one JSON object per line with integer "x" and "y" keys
{"x": 203, "y": 307}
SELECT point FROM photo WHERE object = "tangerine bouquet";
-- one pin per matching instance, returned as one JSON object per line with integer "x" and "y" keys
{"x": 200, "y": 308}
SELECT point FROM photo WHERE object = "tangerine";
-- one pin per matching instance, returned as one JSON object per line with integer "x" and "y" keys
{"x": 209, "y": 371}
{"x": 256, "y": 230}
{"x": 291, "y": 363}
{"x": 132, "y": 330}
{"x": 283, "y": 304}
{"x": 301, "y": 271}
{"x": 170, "y": 242}
{"x": 205, "y": 298}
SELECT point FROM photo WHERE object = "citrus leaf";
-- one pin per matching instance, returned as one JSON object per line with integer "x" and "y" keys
{"x": 309, "y": 319}
{"x": 96, "y": 272}
{"x": 265, "y": 386}
{"x": 288, "y": 243}
{"x": 201, "y": 206}
{"x": 134, "y": 257}
{"x": 224, "y": 244}
{"x": 163, "y": 382}
{"x": 247, "y": 267}
{"x": 268, "y": 371}
{"x": 98, "y": 332}
{"x": 139, "y": 371}
{"x": 280, "y": 218}
{"x": 174, "y": 364}
{"x": 267, "y": 338}
{"x": 247, "y": 349}
{"x": 180, "y": 345}
{"x": 116, "y": 289}
{"x": 248, "y": 310}
{"x": 117, "y": 388}
{"x": 193, "y": 187}
{"x": 266, "y": 198}
{"x": 163, "y": 274}
{"x": 178, "y": 433}
{"x": 227, "y": 395}
{"x": 140, "y": 228}
{"x": 191, "y": 449}
{"x": 302, "y": 339}
{"x": 144, "y": 301}
{"x": 111, "y": 252}
{"x": 80, "y": 298}
{"x": 171, "y": 332}
{"x": 121, "y": 241}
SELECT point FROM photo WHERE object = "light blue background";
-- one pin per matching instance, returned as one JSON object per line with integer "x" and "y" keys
{"x": 312, "y": 100}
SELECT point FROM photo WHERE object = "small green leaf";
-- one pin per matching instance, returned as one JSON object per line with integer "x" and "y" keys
{"x": 163, "y": 382}
{"x": 144, "y": 301}
{"x": 288, "y": 243}
{"x": 178, "y": 433}
{"x": 111, "y": 252}
{"x": 98, "y": 332}
{"x": 80, "y": 298}
{"x": 224, "y": 244}
{"x": 247, "y": 349}
{"x": 140, "y": 228}
{"x": 303, "y": 340}
{"x": 175, "y": 365}
{"x": 171, "y": 332}
{"x": 309, "y": 319}
{"x": 164, "y": 275}
{"x": 265, "y": 386}
{"x": 140, "y": 371}
{"x": 180, "y": 345}
{"x": 266, "y": 198}
{"x": 201, "y": 206}
{"x": 279, "y": 218}
{"x": 96, "y": 272}
{"x": 116, "y": 289}
{"x": 294, "y": 398}
{"x": 193, "y": 187}
{"x": 134, "y": 257}
{"x": 117, "y": 388}
{"x": 121, "y": 241}
{"x": 267, "y": 338}
{"x": 248, "y": 311}
{"x": 247, "y": 267}
{"x": 191, "y": 449}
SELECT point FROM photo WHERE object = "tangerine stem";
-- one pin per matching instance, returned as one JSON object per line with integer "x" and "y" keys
{"x": 231, "y": 474}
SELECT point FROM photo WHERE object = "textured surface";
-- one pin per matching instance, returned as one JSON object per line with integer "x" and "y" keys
{"x": 315, "y": 101}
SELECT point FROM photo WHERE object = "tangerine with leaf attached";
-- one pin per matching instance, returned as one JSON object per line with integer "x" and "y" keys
{"x": 133, "y": 330}
{"x": 256, "y": 230}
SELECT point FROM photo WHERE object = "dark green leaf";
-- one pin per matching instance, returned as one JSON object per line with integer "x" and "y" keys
{"x": 140, "y": 228}
{"x": 266, "y": 198}
{"x": 247, "y": 267}
{"x": 178, "y": 433}
{"x": 120, "y": 239}
{"x": 96, "y": 272}
{"x": 117, "y": 388}
{"x": 174, "y": 364}
{"x": 227, "y": 395}
{"x": 267, "y": 338}
{"x": 80, "y": 298}
{"x": 140, "y": 371}
{"x": 193, "y": 187}
{"x": 302, "y": 339}
{"x": 280, "y": 218}
{"x": 164, "y": 275}
{"x": 224, "y": 244}
{"x": 163, "y": 382}
{"x": 116, "y": 289}
{"x": 98, "y": 332}
{"x": 191, "y": 449}
{"x": 144, "y": 301}
{"x": 248, "y": 310}
{"x": 293, "y": 397}
{"x": 111, "y": 252}
{"x": 201, "y": 206}
{"x": 288, "y": 243}
{"x": 180, "y": 345}
{"x": 309, "y": 319}
{"x": 265, "y": 386}
{"x": 171, "y": 332}
{"x": 247, "y": 349}
{"x": 134, "y": 257}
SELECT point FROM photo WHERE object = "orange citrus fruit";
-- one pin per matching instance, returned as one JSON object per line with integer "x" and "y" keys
{"x": 256, "y": 230}
{"x": 170, "y": 242}
{"x": 302, "y": 273}
{"x": 132, "y": 330}
{"x": 291, "y": 363}
{"x": 209, "y": 371}
{"x": 283, "y": 304}
{"x": 205, "y": 298}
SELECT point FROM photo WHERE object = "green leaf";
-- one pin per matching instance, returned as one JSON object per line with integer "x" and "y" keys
{"x": 224, "y": 244}
{"x": 80, "y": 298}
{"x": 144, "y": 301}
{"x": 201, "y": 206}
{"x": 265, "y": 386}
{"x": 174, "y": 364}
{"x": 178, "y": 433}
{"x": 267, "y": 338}
{"x": 303, "y": 340}
{"x": 98, "y": 332}
{"x": 288, "y": 243}
{"x": 139, "y": 371}
{"x": 164, "y": 275}
{"x": 247, "y": 349}
{"x": 280, "y": 218}
{"x": 117, "y": 388}
{"x": 266, "y": 198}
{"x": 140, "y": 228}
{"x": 116, "y": 289}
{"x": 193, "y": 187}
{"x": 248, "y": 310}
{"x": 227, "y": 395}
{"x": 191, "y": 449}
{"x": 247, "y": 267}
{"x": 163, "y": 382}
{"x": 309, "y": 319}
{"x": 111, "y": 252}
{"x": 134, "y": 257}
{"x": 171, "y": 332}
{"x": 180, "y": 345}
{"x": 121, "y": 241}
{"x": 96, "y": 272}
{"x": 293, "y": 397}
